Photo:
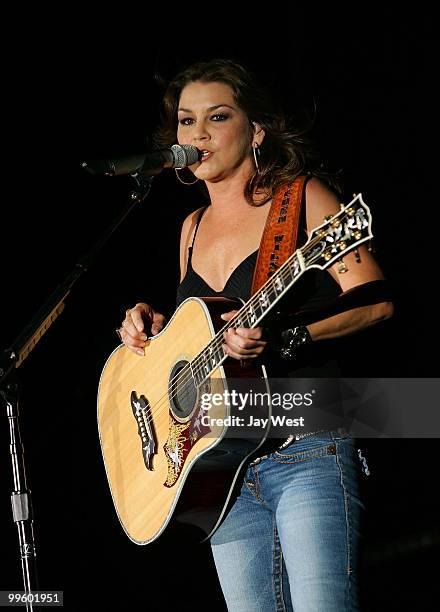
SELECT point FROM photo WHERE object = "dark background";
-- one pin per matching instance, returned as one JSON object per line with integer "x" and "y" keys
{"x": 370, "y": 82}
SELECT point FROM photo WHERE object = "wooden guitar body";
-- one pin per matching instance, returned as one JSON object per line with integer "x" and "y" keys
{"x": 152, "y": 435}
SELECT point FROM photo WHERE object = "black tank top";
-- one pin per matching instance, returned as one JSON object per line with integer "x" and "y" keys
{"x": 313, "y": 288}
{"x": 239, "y": 283}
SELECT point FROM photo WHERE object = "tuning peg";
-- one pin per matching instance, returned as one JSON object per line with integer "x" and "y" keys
{"x": 342, "y": 268}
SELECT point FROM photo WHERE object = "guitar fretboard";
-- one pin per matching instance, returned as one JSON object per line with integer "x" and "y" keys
{"x": 327, "y": 243}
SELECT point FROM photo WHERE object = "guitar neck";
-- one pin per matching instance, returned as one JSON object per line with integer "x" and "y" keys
{"x": 327, "y": 244}
{"x": 250, "y": 315}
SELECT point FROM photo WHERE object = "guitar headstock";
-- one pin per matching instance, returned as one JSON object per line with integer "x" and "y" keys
{"x": 341, "y": 233}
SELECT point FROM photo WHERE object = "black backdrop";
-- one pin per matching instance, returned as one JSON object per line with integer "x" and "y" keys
{"x": 369, "y": 82}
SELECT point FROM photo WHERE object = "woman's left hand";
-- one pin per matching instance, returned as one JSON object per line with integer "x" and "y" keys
{"x": 242, "y": 343}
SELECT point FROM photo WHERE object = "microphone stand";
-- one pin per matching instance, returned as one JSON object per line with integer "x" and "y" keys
{"x": 11, "y": 359}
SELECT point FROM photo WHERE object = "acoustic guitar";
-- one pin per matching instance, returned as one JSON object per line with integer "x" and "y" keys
{"x": 168, "y": 458}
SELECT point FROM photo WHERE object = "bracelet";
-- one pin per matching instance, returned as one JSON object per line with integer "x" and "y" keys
{"x": 295, "y": 340}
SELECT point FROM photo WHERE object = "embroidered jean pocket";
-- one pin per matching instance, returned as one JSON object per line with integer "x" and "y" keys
{"x": 364, "y": 465}
{"x": 305, "y": 455}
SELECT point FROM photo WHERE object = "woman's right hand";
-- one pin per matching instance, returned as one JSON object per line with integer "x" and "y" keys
{"x": 139, "y": 320}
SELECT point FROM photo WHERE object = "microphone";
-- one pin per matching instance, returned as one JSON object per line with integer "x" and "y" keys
{"x": 177, "y": 156}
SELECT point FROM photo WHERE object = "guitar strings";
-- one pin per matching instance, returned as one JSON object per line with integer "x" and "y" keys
{"x": 186, "y": 374}
{"x": 281, "y": 272}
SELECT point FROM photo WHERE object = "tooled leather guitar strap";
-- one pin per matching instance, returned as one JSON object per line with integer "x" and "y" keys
{"x": 280, "y": 232}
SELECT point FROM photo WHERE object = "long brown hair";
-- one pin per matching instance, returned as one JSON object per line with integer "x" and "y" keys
{"x": 284, "y": 153}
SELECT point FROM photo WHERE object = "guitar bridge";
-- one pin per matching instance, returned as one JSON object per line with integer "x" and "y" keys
{"x": 142, "y": 414}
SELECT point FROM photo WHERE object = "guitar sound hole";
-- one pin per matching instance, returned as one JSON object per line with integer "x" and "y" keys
{"x": 183, "y": 392}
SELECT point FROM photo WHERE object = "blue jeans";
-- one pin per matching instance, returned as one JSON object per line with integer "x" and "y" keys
{"x": 291, "y": 539}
